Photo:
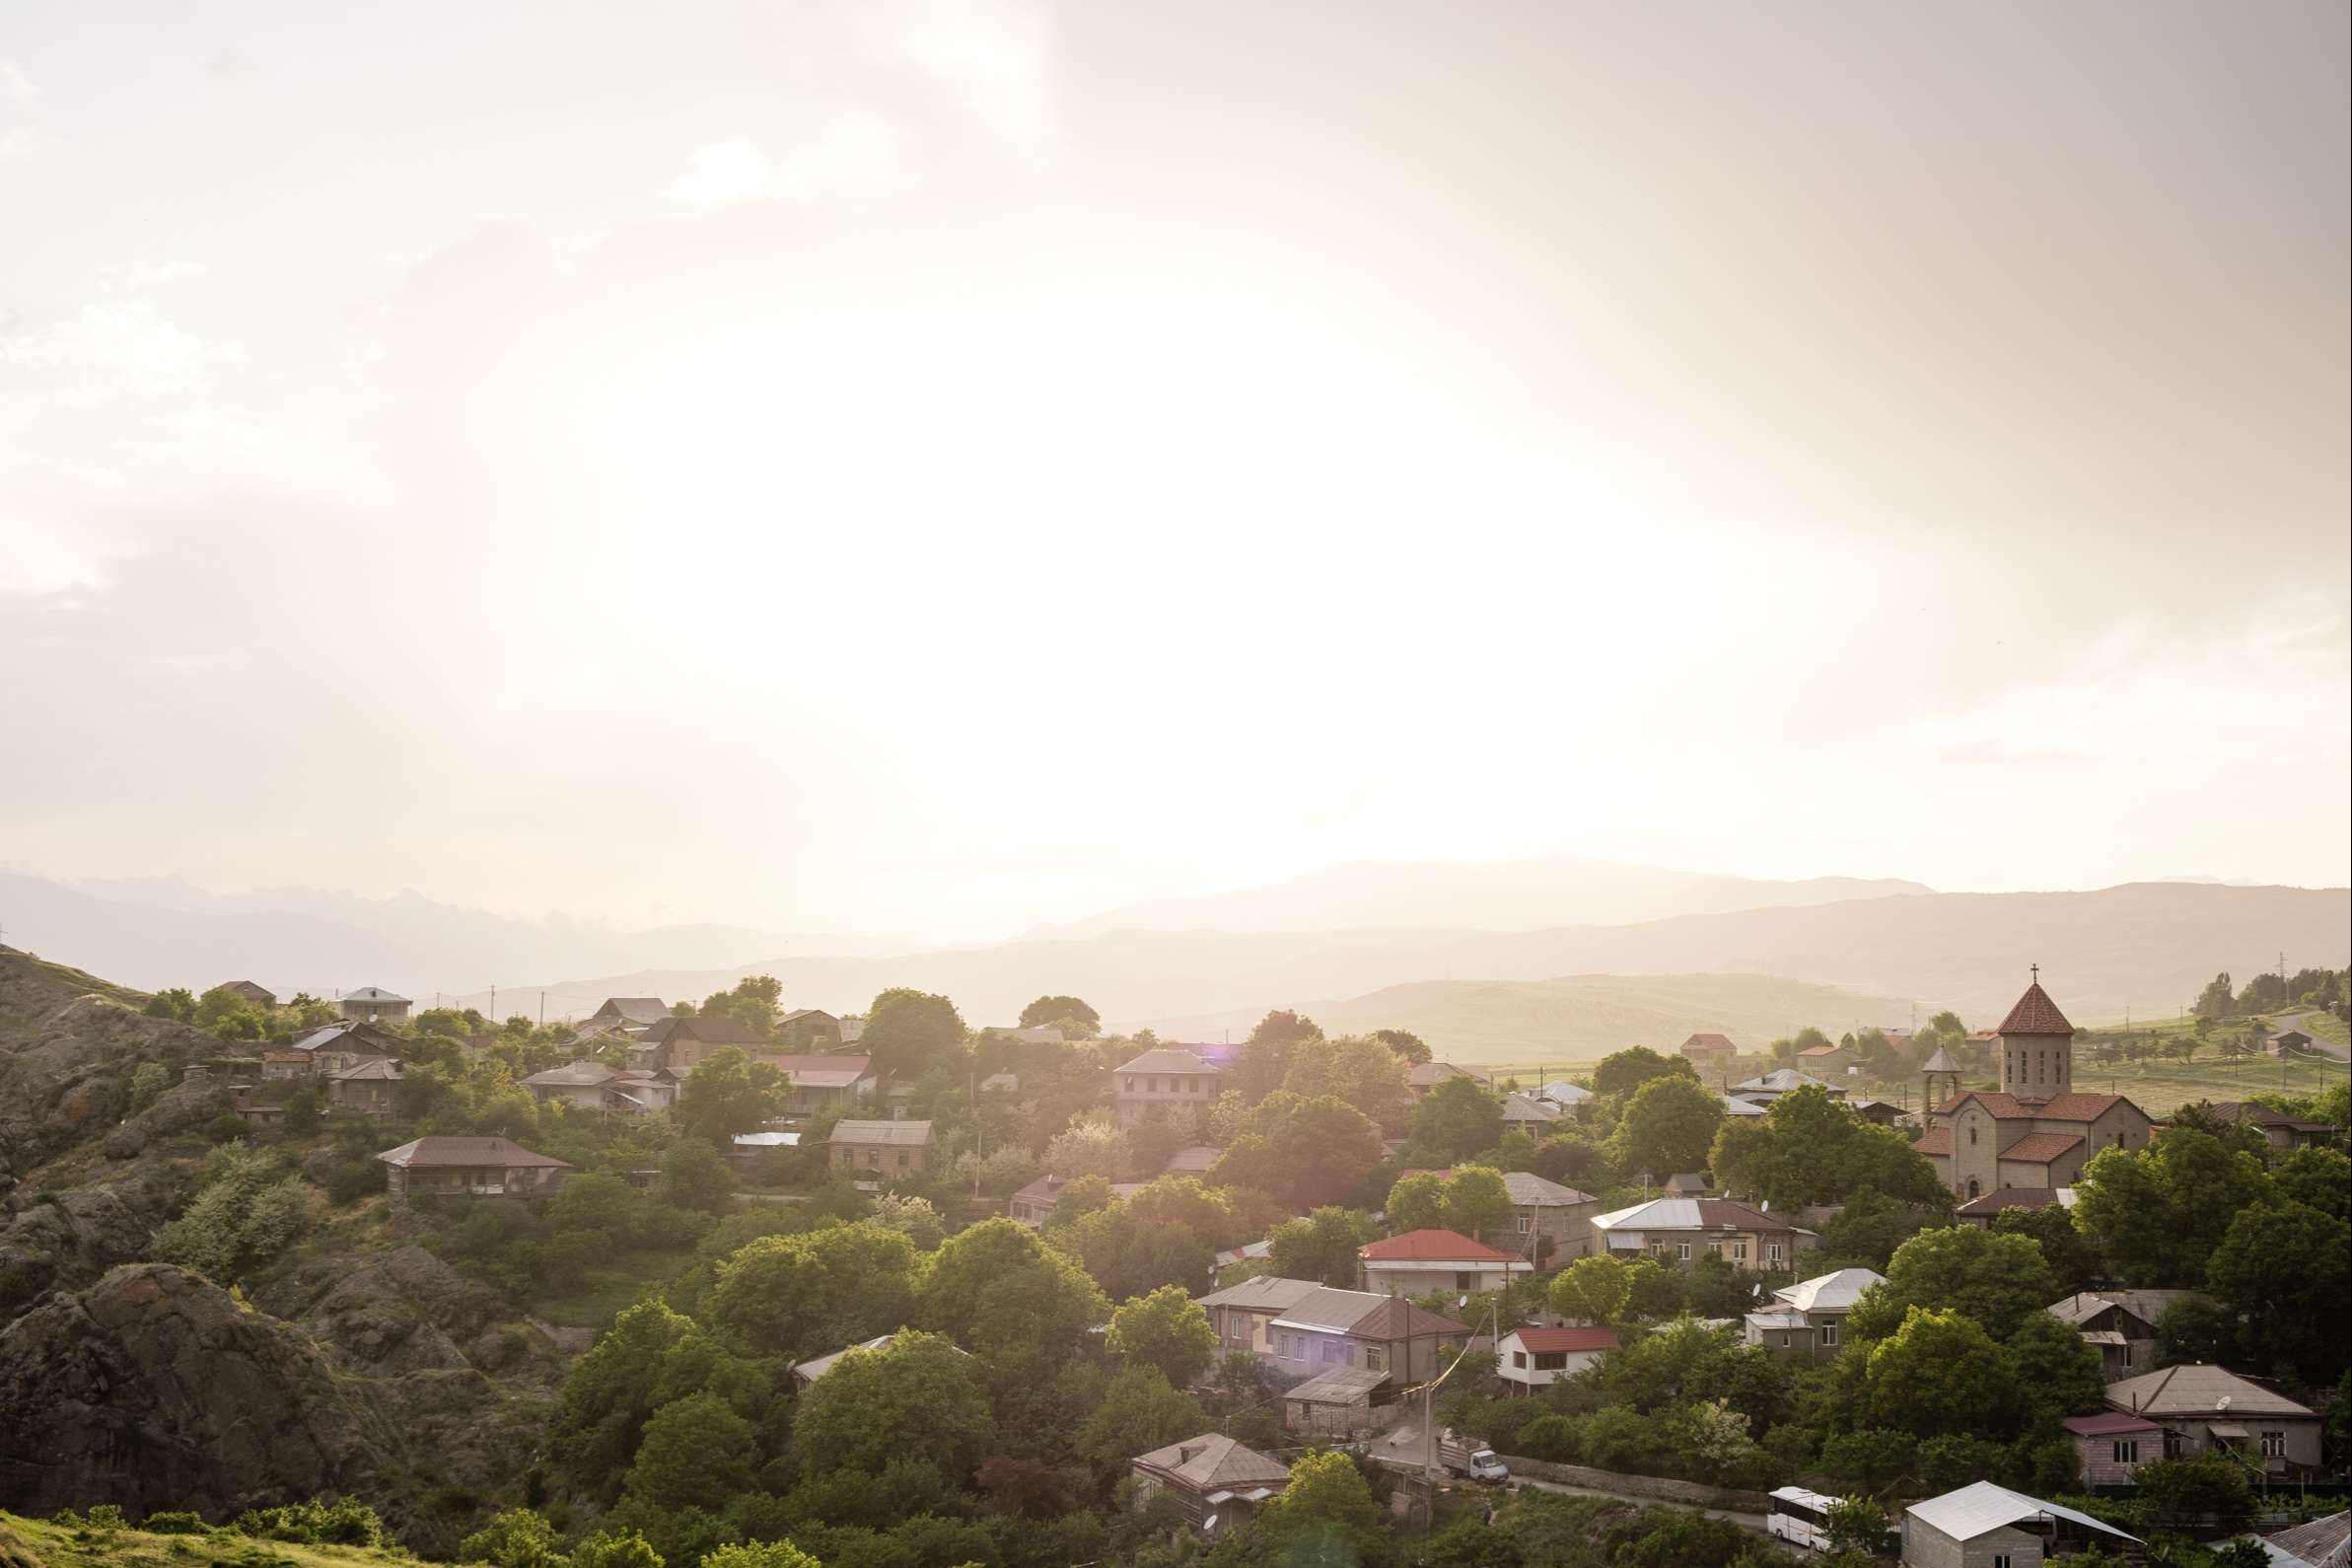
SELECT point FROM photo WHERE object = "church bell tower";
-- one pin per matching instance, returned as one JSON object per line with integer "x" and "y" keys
{"x": 2036, "y": 1046}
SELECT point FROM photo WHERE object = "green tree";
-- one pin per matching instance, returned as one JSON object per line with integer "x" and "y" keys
{"x": 520, "y": 1538}
{"x": 1811, "y": 1149}
{"x": 909, "y": 1033}
{"x": 729, "y": 1093}
{"x": 2196, "y": 1485}
{"x": 246, "y": 1211}
{"x": 1667, "y": 1126}
{"x": 696, "y": 1453}
{"x": 1326, "y": 1516}
{"x": 1301, "y": 1152}
{"x": 2074, "y": 1261}
{"x": 2057, "y": 1371}
{"x": 1167, "y": 1331}
{"x": 1996, "y": 1280}
{"x": 759, "y": 1554}
{"x": 921, "y": 1399}
{"x": 1061, "y": 1009}
{"x": 2317, "y": 1178}
{"x": 1594, "y": 1289}
{"x": 1477, "y": 1203}
{"x": 1140, "y": 1411}
{"x": 2219, "y": 998}
{"x": 1457, "y": 1119}
{"x": 610, "y": 1394}
{"x": 996, "y": 1288}
{"x": 1941, "y": 1371}
{"x": 1090, "y": 1145}
{"x": 172, "y": 1002}
{"x": 607, "y": 1550}
{"x": 1321, "y": 1246}
{"x": 810, "y": 1295}
{"x": 2157, "y": 1213}
{"x": 1417, "y": 1202}
{"x": 1858, "y": 1524}
{"x": 148, "y": 1081}
{"x": 1407, "y": 1044}
{"x": 2285, "y": 1273}
{"x": 1355, "y": 1069}
{"x": 1621, "y": 1072}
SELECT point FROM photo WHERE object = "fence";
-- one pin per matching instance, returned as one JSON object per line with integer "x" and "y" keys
{"x": 1655, "y": 1489}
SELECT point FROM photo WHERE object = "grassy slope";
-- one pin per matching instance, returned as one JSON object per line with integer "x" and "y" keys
{"x": 2162, "y": 1087}
{"x": 38, "y": 1544}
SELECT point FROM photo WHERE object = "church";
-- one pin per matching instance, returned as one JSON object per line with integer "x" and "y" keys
{"x": 2036, "y": 1133}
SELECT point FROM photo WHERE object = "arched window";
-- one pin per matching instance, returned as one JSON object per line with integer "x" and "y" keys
{"x": 1972, "y": 1188}
{"x": 1971, "y": 1135}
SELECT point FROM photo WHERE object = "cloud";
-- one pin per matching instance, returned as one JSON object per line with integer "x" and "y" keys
{"x": 146, "y": 275}
{"x": 18, "y": 143}
{"x": 110, "y": 350}
{"x": 997, "y": 58}
{"x": 16, "y": 85}
{"x": 722, "y": 172}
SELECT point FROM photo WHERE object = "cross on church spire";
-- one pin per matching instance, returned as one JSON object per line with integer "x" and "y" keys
{"x": 2037, "y": 968}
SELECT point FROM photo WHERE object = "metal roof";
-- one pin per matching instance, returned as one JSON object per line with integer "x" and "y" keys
{"x": 1165, "y": 1059}
{"x": 472, "y": 1154}
{"x": 900, "y": 1132}
{"x": 2199, "y": 1388}
{"x": 1266, "y": 1293}
{"x": 574, "y": 1075}
{"x": 1213, "y": 1460}
{"x": 1830, "y": 1293}
{"x": 1339, "y": 1386}
{"x": 1973, "y": 1510}
{"x": 371, "y": 993}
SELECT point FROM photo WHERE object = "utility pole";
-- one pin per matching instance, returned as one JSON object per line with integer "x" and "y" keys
{"x": 542, "y": 1009}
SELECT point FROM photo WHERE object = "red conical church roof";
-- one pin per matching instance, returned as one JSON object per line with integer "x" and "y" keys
{"x": 2036, "y": 1014}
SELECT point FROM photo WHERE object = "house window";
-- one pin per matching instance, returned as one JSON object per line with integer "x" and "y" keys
{"x": 1463, "y": 1281}
{"x": 1519, "y": 1359}
{"x": 1551, "y": 1360}
{"x": 1375, "y": 1359}
{"x": 2171, "y": 1443}
{"x": 1784, "y": 1341}
{"x": 2274, "y": 1445}
{"x": 1523, "y": 1225}
{"x": 1683, "y": 1252}
{"x": 905, "y": 1159}
{"x": 1335, "y": 1352}
{"x": 1828, "y": 1334}
{"x": 1739, "y": 1252}
{"x": 1130, "y": 1083}
{"x": 1771, "y": 1252}
{"x": 1972, "y": 1133}
{"x": 2127, "y": 1451}
{"x": 2001, "y": 1560}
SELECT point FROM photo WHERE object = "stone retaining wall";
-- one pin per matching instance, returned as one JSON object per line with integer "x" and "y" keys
{"x": 1655, "y": 1489}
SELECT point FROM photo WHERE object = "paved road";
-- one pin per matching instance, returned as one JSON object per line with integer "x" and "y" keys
{"x": 2319, "y": 1041}
{"x": 1404, "y": 1445}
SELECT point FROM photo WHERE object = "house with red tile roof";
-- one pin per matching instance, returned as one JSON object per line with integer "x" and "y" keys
{"x": 1704, "y": 1050}
{"x": 1420, "y": 1261}
{"x": 1532, "y": 1357}
{"x": 2036, "y": 1133}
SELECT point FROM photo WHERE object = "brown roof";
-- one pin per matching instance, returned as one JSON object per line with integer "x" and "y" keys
{"x": 712, "y": 1029}
{"x": 2041, "y": 1147}
{"x": 1428, "y": 1246}
{"x": 2000, "y": 1198}
{"x": 2036, "y": 1014}
{"x": 1550, "y": 1340}
{"x": 1936, "y": 1140}
{"x": 2198, "y": 1389}
{"x": 474, "y": 1154}
{"x": 2058, "y": 1108}
{"x": 1709, "y": 1042}
{"x": 2107, "y": 1423}
{"x": 1397, "y": 1318}
{"x": 1213, "y": 1461}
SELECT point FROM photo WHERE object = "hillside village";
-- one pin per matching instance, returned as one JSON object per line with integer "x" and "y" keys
{"x": 733, "y": 1282}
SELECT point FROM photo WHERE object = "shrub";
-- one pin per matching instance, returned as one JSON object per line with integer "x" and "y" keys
{"x": 175, "y": 1522}
{"x": 330, "y": 1522}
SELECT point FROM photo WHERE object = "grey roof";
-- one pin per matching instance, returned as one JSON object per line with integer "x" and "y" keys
{"x": 906, "y": 1132}
{"x": 1973, "y": 1510}
{"x": 1166, "y": 1059}
{"x": 574, "y": 1075}
{"x": 1428, "y": 1074}
{"x": 1939, "y": 1062}
{"x": 811, "y": 1370}
{"x": 1529, "y": 1191}
{"x": 1339, "y": 1386}
{"x": 471, "y": 1154}
{"x": 1266, "y": 1293}
{"x": 637, "y": 1009}
{"x": 1830, "y": 1293}
{"x": 1213, "y": 1460}
{"x": 767, "y": 1140}
{"x": 1732, "y": 1105}
{"x": 376, "y": 1069}
{"x": 2321, "y": 1543}
{"x": 1194, "y": 1159}
{"x": 1330, "y": 1309}
{"x": 2198, "y": 1388}
{"x": 1687, "y": 1183}
{"x": 2145, "y": 1305}
{"x": 328, "y": 1036}
{"x": 1693, "y": 1214}
{"x": 371, "y": 993}
{"x": 1526, "y": 1108}
{"x": 1779, "y": 1317}
{"x": 1560, "y": 1092}
{"x": 1782, "y": 1081}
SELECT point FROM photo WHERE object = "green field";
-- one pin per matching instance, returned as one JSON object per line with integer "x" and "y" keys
{"x": 2327, "y": 1027}
{"x": 40, "y": 1544}
{"x": 2162, "y": 1087}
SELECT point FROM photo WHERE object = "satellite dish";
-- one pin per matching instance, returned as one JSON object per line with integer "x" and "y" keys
{"x": 1208, "y": 1525}
{"x": 1463, "y": 1301}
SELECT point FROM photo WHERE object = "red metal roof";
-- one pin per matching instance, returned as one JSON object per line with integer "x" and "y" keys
{"x": 2036, "y": 1014}
{"x": 1551, "y": 1340}
{"x": 2105, "y": 1422}
{"x": 2040, "y": 1146}
{"x": 1441, "y": 1246}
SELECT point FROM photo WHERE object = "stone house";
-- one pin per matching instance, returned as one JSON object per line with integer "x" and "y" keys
{"x": 1162, "y": 1078}
{"x": 1709, "y": 1052}
{"x": 372, "y": 1004}
{"x": 1420, "y": 1261}
{"x": 336, "y": 1046}
{"x": 2278, "y": 1129}
{"x": 2121, "y": 1325}
{"x": 1984, "y": 1525}
{"x": 371, "y": 1088}
{"x": 1425, "y": 1076}
{"x": 480, "y": 1168}
{"x": 809, "y": 1030}
{"x": 1684, "y": 1230}
{"x": 628, "y": 1012}
{"x": 879, "y": 1151}
{"x": 2111, "y": 1445}
{"x": 2202, "y": 1406}
{"x": 286, "y": 1066}
{"x": 1217, "y": 1483}
{"x": 1805, "y": 1321}
{"x": 1033, "y": 1204}
{"x": 1826, "y": 1062}
{"x": 677, "y": 1046}
{"x": 1529, "y": 1113}
{"x": 248, "y": 992}
{"x": 1300, "y": 1328}
{"x": 821, "y": 1082}
{"x": 1533, "y": 1356}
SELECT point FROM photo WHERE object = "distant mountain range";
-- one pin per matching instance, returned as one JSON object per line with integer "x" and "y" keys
{"x": 1498, "y": 896}
{"x": 1462, "y": 983}
{"x": 159, "y": 932}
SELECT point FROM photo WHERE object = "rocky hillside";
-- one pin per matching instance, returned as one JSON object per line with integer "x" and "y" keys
{"x": 357, "y": 1363}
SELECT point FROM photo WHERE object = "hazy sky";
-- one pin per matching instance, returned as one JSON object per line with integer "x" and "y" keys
{"x": 929, "y": 467}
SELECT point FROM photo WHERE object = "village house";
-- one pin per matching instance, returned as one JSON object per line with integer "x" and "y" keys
{"x": 809, "y": 1030}
{"x": 1781, "y": 1081}
{"x": 628, "y": 1013}
{"x": 1709, "y": 1052}
{"x": 1734, "y": 1105}
{"x": 286, "y": 1065}
{"x": 579, "y": 1084}
{"x": 1533, "y": 1357}
{"x": 1425, "y": 1076}
{"x": 1826, "y": 1062}
{"x": 1684, "y": 1229}
{"x": 1984, "y": 1525}
{"x": 480, "y": 1168}
{"x": 1556, "y": 1219}
{"x": 336, "y": 1046}
{"x": 372, "y": 1004}
{"x": 1564, "y": 1097}
{"x": 1805, "y": 1321}
{"x": 1687, "y": 1185}
{"x": 258, "y": 1112}
{"x": 1528, "y": 1114}
{"x": 1420, "y": 1261}
{"x": 1217, "y": 1483}
{"x": 2121, "y": 1325}
{"x": 2287, "y": 1043}
{"x": 2314, "y": 1544}
{"x": 821, "y": 1082}
{"x": 677, "y": 1046}
{"x": 879, "y": 1150}
{"x": 2278, "y": 1129}
{"x": 1194, "y": 1160}
{"x": 2035, "y": 1132}
{"x": 2201, "y": 1407}
{"x": 1878, "y": 1112}
{"x": 1302, "y": 1330}
{"x": 248, "y": 992}
{"x": 370, "y": 1087}
{"x": 1033, "y": 1204}
{"x": 1162, "y": 1078}
{"x": 2111, "y": 1445}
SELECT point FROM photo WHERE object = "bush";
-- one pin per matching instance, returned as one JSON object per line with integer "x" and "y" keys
{"x": 350, "y": 1180}
{"x": 330, "y": 1522}
{"x": 227, "y": 1127}
{"x": 175, "y": 1522}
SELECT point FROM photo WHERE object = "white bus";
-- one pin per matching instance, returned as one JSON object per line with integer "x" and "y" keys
{"x": 1799, "y": 1518}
